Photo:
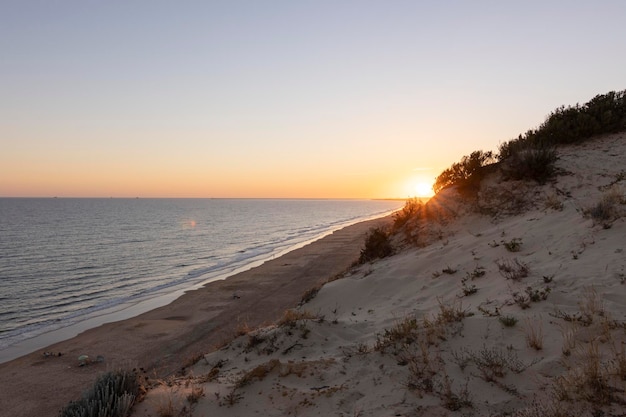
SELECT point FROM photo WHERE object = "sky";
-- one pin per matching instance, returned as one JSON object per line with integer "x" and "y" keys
{"x": 283, "y": 99}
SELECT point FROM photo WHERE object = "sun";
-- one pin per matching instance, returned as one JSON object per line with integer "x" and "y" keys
{"x": 424, "y": 189}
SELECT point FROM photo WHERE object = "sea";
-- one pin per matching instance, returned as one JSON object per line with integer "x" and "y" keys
{"x": 69, "y": 262}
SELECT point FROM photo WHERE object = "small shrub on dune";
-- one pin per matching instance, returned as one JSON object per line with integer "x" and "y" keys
{"x": 608, "y": 208}
{"x": 513, "y": 269}
{"x": 411, "y": 210}
{"x": 377, "y": 245}
{"x": 514, "y": 245}
{"x": 466, "y": 174}
{"x": 508, "y": 321}
{"x": 531, "y": 164}
{"x": 112, "y": 395}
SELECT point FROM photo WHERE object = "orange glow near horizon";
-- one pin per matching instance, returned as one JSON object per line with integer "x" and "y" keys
{"x": 420, "y": 186}
{"x": 424, "y": 189}
{"x": 96, "y": 177}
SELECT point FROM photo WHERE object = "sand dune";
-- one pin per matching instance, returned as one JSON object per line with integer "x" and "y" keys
{"x": 519, "y": 309}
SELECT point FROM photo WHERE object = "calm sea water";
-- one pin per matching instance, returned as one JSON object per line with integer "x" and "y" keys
{"x": 64, "y": 260}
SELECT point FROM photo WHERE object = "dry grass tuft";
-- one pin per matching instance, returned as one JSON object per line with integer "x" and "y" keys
{"x": 534, "y": 334}
{"x": 608, "y": 209}
{"x": 403, "y": 332}
{"x": 292, "y": 317}
{"x": 196, "y": 393}
{"x": 569, "y": 340}
{"x": 513, "y": 269}
{"x": 591, "y": 305}
{"x": 553, "y": 202}
{"x": 242, "y": 328}
{"x": 310, "y": 294}
{"x": 259, "y": 373}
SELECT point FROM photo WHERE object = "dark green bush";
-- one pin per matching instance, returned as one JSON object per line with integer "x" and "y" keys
{"x": 112, "y": 395}
{"x": 465, "y": 174}
{"x": 411, "y": 209}
{"x": 605, "y": 113}
{"x": 533, "y": 154}
{"x": 377, "y": 245}
{"x": 536, "y": 164}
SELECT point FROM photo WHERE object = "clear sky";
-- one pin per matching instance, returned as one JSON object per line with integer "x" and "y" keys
{"x": 351, "y": 99}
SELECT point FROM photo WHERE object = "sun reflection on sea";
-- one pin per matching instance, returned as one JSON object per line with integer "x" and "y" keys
{"x": 188, "y": 224}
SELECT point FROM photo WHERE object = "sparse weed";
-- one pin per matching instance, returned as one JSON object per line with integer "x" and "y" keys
{"x": 259, "y": 373}
{"x": 310, "y": 294}
{"x": 232, "y": 398}
{"x": 548, "y": 408}
{"x": 487, "y": 312}
{"x": 536, "y": 295}
{"x": 449, "y": 271}
{"x": 469, "y": 290}
{"x": 292, "y": 317}
{"x": 478, "y": 272}
{"x": 514, "y": 245}
{"x": 421, "y": 374}
{"x": 591, "y": 304}
{"x": 453, "y": 313}
{"x": 513, "y": 269}
{"x": 553, "y": 202}
{"x": 508, "y": 321}
{"x": 569, "y": 340}
{"x": 454, "y": 401}
{"x": 165, "y": 408}
{"x": 534, "y": 334}
{"x": 196, "y": 393}
{"x": 492, "y": 362}
{"x": 242, "y": 328}
{"x": 404, "y": 331}
{"x": 253, "y": 341}
{"x": 589, "y": 380}
{"x": 608, "y": 209}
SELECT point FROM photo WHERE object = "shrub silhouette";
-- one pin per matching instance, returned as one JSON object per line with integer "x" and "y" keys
{"x": 377, "y": 245}
{"x": 467, "y": 173}
{"x": 411, "y": 209}
{"x": 602, "y": 114}
{"x": 533, "y": 154}
{"x": 531, "y": 164}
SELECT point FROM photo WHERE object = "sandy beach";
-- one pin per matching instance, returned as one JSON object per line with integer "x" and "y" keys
{"x": 161, "y": 341}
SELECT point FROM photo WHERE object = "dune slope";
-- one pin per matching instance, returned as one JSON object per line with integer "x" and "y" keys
{"x": 518, "y": 308}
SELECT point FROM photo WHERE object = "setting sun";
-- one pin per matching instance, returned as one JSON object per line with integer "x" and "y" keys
{"x": 424, "y": 189}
